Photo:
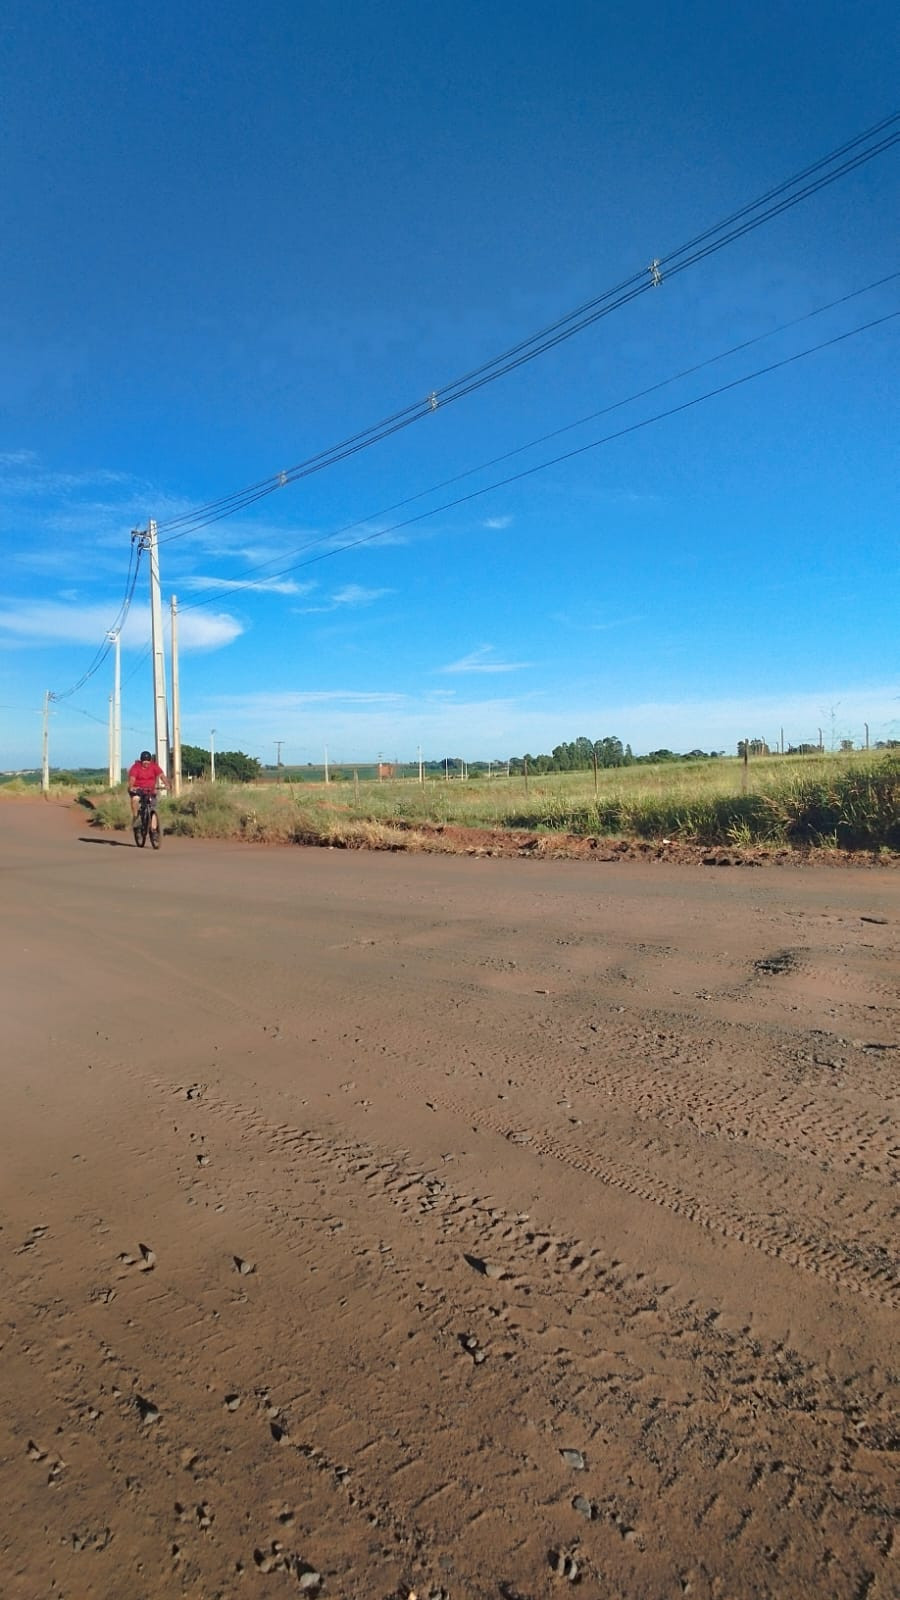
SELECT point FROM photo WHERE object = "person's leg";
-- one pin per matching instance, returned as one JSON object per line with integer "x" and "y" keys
{"x": 134, "y": 806}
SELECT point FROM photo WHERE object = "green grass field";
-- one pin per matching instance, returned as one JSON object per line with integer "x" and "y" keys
{"x": 844, "y": 802}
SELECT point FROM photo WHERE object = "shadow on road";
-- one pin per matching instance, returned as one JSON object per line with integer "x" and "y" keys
{"x": 117, "y": 844}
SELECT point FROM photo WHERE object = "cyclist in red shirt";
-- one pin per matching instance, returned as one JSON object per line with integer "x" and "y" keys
{"x": 143, "y": 777}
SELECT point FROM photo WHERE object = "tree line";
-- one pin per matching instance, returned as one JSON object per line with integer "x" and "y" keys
{"x": 580, "y": 755}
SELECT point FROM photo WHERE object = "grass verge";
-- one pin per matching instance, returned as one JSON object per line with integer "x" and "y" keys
{"x": 837, "y": 803}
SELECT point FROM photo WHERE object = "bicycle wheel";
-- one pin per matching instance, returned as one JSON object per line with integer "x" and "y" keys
{"x": 143, "y": 824}
{"x": 156, "y": 834}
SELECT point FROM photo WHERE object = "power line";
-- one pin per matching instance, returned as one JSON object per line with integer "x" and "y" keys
{"x": 556, "y": 460}
{"x": 754, "y": 214}
{"x": 134, "y": 563}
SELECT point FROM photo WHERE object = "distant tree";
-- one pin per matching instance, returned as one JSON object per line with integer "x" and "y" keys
{"x": 231, "y": 764}
{"x": 237, "y": 766}
{"x": 609, "y": 752}
{"x": 194, "y": 760}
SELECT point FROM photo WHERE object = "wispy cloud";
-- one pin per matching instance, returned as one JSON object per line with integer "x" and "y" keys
{"x": 22, "y": 474}
{"x": 352, "y": 597}
{"x": 278, "y": 701}
{"x": 481, "y": 660}
{"x": 563, "y": 619}
{"x": 259, "y": 585}
{"x": 353, "y": 594}
{"x": 497, "y": 523}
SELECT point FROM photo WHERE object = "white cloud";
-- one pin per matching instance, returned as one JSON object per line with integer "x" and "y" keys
{"x": 478, "y": 661}
{"x": 281, "y": 701}
{"x": 497, "y": 523}
{"x": 260, "y": 585}
{"x": 579, "y": 625}
{"x": 353, "y": 594}
{"x": 351, "y": 597}
{"x": 43, "y": 622}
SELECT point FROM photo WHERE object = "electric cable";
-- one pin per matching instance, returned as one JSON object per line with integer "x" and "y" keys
{"x": 218, "y": 590}
{"x": 134, "y": 564}
{"x": 776, "y": 201}
{"x": 569, "y": 455}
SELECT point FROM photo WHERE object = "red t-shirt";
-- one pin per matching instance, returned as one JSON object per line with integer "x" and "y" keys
{"x": 144, "y": 775}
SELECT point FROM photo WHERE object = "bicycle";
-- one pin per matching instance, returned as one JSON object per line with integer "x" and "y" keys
{"x": 144, "y": 819}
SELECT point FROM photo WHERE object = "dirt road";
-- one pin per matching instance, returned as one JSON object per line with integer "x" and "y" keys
{"x": 457, "y": 1227}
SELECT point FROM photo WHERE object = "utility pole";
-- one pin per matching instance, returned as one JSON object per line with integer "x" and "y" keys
{"x": 149, "y": 542}
{"x": 421, "y": 768}
{"x": 326, "y": 763}
{"x": 212, "y": 755}
{"x": 866, "y": 726}
{"x": 176, "y": 704}
{"x": 111, "y": 743}
{"x": 277, "y": 743}
{"x": 45, "y": 745}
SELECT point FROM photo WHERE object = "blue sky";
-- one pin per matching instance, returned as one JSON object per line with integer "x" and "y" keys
{"x": 235, "y": 234}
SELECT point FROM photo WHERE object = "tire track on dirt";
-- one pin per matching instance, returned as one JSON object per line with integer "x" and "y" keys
{"x": 695, "y": 1421}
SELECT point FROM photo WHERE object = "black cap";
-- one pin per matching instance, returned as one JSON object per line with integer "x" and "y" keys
{"x": 146, "y": 756}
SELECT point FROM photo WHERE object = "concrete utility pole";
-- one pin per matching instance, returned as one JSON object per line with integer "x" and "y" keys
{"x": 111, "y": 743}
{"x": 212, "y": 755}
{"x": 149, "y": 541}
{"x": 277, "y": 743}
{"x": 326, "y": 763}
{"x": 45, "y": 745}
{"x": 160, "y": 710}
{"x": 866, "y": 726}
{"x": 421, "y": 769}
{"x": 176, "y": 704}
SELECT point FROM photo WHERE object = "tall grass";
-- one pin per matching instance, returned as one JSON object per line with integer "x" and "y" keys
{"x": 846, "y": 802}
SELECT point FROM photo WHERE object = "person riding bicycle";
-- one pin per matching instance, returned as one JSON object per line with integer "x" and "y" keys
{"x": 143, "y": 777}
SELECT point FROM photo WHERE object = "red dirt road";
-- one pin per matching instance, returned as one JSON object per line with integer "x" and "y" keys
{"x": 443, "y": 1226}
